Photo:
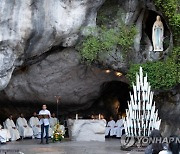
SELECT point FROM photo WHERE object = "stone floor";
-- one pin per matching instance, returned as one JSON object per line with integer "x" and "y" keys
{"x": 28, "y": 146}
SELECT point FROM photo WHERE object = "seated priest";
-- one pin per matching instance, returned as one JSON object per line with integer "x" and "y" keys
{"x": 35, "y": 125}
{"x": 4, "y": 135}
{"x": 53, "y": 120}
{"x": 110, "y": 127}
{"x": 9, "y": 124}
{"x": 119, "y": 127}
{"x": 23, "y": 128}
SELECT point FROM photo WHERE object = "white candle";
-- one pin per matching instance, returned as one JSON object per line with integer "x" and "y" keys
{"x": 143, "y": 105}
{"x": 147, "y": 120}
{"x": 135, "y": 128}
{"x": 149, "y": 128}
{"x": 99, "y": 116}
{"x": 144, "y": 96}
{"x": 139, "y": 128}
{"x": 125, "y": 126}
{"x": 135, "y": 115}
{"x": 135, "y": 95}
{"x": 76, "y": 116}
{"x": 144, "y": 130}
{"x": 132, "y": 100}
{"x": 137, "y": 82}
{"x": 141, "y": 75}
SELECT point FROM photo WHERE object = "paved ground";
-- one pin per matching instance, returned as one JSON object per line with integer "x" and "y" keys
{"x": 28, "y": 146}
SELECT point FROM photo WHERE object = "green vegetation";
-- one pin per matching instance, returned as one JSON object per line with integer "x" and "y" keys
{"x": 103, "y": 39}
{"x": 110, "y": 34}
{"x": 161, "y": 74}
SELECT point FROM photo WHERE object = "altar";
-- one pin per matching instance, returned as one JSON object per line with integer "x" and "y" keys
{"x": 86, "y": 129}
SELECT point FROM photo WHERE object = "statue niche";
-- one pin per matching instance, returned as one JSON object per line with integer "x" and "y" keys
{"x": 157, "y": 34}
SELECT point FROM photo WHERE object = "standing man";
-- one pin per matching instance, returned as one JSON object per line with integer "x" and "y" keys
{"x": 44, "y": 115}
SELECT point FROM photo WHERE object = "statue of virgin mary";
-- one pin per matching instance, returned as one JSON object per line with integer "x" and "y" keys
{"x": 157, "y": 34}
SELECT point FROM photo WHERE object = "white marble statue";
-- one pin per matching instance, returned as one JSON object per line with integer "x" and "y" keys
{"x": 9, "y": 124}
{"x": 157, "y": 34}
{"x": 4, "y": 135}
{"x": 23, "y": 127}
{"x": 35, "y": 125}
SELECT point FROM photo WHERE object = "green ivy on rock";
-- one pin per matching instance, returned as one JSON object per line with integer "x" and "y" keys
{"x": 105, "y": 39}
{"x": 161, "y": 74}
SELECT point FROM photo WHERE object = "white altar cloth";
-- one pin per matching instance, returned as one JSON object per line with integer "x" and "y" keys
{"x": 86, "y": 130}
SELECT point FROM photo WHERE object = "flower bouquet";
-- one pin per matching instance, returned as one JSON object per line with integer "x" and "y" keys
{"x": 58, "y": 133}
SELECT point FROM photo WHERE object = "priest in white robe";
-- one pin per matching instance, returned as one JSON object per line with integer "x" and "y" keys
{"x": 23, "y": 128}
{"x": 4, "y": 135}
{"x": 119, "y": 127}
{"x": 110, "y": 127}
{"x": 53, "y": 120}
{"x": 35, "y": 125}
{"x": 9, "y": 124}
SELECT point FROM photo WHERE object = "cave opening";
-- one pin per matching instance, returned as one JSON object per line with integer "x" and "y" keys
{"x": 112, "y": 100}
{"x": 149, "y": 19}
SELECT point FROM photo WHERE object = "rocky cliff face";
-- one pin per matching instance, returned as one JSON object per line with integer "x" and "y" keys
{"x": 168, "y": 103}
{"x": 58, "y": 74}
{"x": 29, "y": 28}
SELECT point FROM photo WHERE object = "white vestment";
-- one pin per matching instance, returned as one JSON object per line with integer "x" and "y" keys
{"x": 24, "y": 131}
{"x": 53, "y": 122}
{"x": 12, "y": 129}
{"x": 34, "y": 123}
{"x": 110, "y": 128}
{"x": 118, "y": 128}
{"x": 4, "y": 135}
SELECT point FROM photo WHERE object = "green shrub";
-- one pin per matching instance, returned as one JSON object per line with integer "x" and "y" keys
{"x": 161, "y": 74}
{"x": 105, "y": 39}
